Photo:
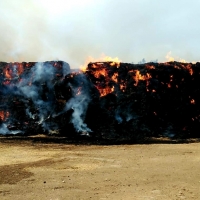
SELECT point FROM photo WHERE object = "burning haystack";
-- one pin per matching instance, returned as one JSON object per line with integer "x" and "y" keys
{"x": 107, "y": 100}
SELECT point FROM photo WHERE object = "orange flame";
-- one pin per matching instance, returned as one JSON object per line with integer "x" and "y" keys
{"x": 114, "y": 77}
{"x": 172, "y": 59}
{"x": 169, "y": 85}
{"x": 20, "y": 68}
{"x": 13, "y": 69}
{"x": 102, "y": 72}
{"x": 103, "y": 58}
{"x": 7, "y": 72}
{"x": 105, "y": 91}
{"x": 108, "y": 80}
{"x": 189, "y": 68}
{"x": 192, "y": 101}
{"x": 4, "y": 115}
{"x": 138, "y": 77}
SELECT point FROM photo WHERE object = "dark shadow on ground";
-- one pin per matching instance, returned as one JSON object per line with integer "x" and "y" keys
{"x": 85, "y": 140}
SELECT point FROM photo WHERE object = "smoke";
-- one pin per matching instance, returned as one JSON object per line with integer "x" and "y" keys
{"x": 43, "y": 30}
{"x": 41, "y": 76}
{"x": 3, "y": 129}
{"x": 124, "y": 114}
{"x": 79, "y": 101}
{"x": 35, "y": 87}
{"x": 143, "y": 61}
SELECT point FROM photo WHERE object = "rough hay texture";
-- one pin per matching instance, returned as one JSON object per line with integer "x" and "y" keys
{"x": 108, "y": 100}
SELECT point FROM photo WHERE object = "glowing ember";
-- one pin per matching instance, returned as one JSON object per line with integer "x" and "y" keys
{"x": 13, "y": 70}
{"x": 192, "y": 101}
{"x": 122, "y": 87}
{"x": 114, "y": 77}
{"x": 7, "y": 72}
{"x": 189, "y": 68}
{"x": 101, "y": 72}
{"x": 156, "y": 95}
{"x": 105, "y": 91}
{"x": 169, "y": 85}
{"x": 4, "y": 115}
{"x": 78, "y": 91}
{"x": 138, "y": 77}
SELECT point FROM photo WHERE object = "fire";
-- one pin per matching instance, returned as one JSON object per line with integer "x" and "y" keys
{"x": 139, "y": 77}
{"x": 7, "y": 72}
{"x": 78, "y": 91}
{"x": 150, "y": 67}
{"x": 189, "y": 68}
{"x": 4, "y": 115}
{"x": 122, "y": 87}
{"x": 105, "y": 91}
{"x": 20, "y": 68}
{"x": 169, "y": 57}
{"x": 103, "y": 58}
{"x": 12, "y": 70}
{"x": 172, "y": 59}
{"x": 114, "y": 77}
{"x": 169, "y": 85}
{"x": 192, "y": 101}
{"x": 114, "y": 61}
{"x": 107, "y": 78}
{"x": 101, "y": 72}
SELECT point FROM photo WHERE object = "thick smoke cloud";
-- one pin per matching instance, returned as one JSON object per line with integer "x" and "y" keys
{"x": 72, "y": 31}
{"x": 38, "y": 88}
{"x": 79, "y": 103}
{"x": 42, "y": 74}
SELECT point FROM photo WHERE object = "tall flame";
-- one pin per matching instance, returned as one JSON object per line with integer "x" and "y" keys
{"x": 172, "y": 59}
{"x": 103, "y": 58}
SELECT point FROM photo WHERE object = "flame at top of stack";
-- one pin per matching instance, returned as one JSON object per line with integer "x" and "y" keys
{"x": 150, "y": 98}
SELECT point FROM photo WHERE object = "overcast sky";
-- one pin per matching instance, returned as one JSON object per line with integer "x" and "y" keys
{"x": 72, "y": 30}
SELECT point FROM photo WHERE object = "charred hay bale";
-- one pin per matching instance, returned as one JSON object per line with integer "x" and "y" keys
{"x": 116, "y": 101}
{"x": 27, "y": 94}
{"x": 163, "y": 97}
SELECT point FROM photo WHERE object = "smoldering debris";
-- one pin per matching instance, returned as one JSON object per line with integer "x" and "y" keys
{"x": 108, "y": 100}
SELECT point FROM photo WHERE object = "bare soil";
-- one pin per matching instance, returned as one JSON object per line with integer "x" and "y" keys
{"x": 53, "y": 171}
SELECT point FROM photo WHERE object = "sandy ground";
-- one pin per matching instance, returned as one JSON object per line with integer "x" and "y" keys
{"x": 30, "y": 170}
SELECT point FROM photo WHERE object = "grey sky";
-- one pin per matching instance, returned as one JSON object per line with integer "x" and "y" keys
{"x": 39, "y": 30}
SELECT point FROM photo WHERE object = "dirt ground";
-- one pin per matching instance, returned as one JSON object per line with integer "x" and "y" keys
{"x": 53, "y": 171}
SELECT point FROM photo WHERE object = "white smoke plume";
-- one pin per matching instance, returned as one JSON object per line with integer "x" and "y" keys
{"x": 36, "y": 90}
{"x": 40, "y": 74}
{"x": 3, "y": 129}
{"x": 40, "y": 30}
{"x": 79, "y": 103}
